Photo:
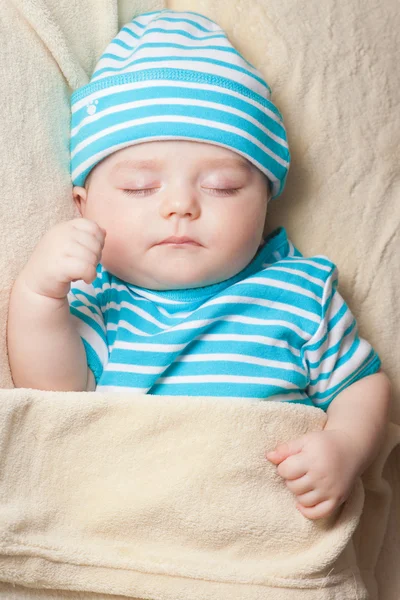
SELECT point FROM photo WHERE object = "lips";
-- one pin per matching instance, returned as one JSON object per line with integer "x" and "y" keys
{"x": 179, "y": 240}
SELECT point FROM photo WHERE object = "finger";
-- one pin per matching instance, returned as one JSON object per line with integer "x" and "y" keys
{"x": 302, "y": 485}
{"x": 293, "y": 467}
{"x": 310, "y": 498}
{"x": 319, "y": 511}
{"x": 77, "y": 269}
{"x": 283, "y": 451}
{"x": 77, "y": 250}
{"x": 89, "y": 241}
{"x": 90, "y": 227}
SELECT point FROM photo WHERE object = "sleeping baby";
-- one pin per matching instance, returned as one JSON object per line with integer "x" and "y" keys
{"x": 167, "y": 285}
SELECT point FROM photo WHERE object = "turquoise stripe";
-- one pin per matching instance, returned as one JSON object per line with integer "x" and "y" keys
{"x": 266, "y": 350}
{"x": 138, "y": 23}
{"x": 197, "y": 94}
{"x": 165, "y": 45}
{"x": 339, "y": 362}
{"x": 93, "y": 361}
{"x": 91, "y": 322}
{"x": 131, "y": 33}
{"x": 122, "y": 45}
{"x": 244, "y": 369}
{"x": 369, "y": 369}
{"x": 190, "y": 36}
{"x": 182, "y": 20}
{"x": 333, "y": 349}
{"x": 189, "y": 12}
{"x": 183, "y": 75}
{"x": 182, "y": 110}
{"x": 348, "y": 380}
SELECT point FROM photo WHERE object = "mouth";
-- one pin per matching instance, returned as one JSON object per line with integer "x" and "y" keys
{"x": 179, "y": 241}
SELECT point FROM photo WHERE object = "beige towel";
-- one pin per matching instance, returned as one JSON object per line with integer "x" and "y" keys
{"x": 334, "y": 73}
{"x": 164, "y": 497}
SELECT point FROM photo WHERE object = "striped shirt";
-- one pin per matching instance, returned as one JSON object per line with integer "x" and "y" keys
{"x": 278, "y": 330}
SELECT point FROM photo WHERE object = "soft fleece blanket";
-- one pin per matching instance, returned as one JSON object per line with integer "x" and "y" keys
{"x": 334, "y": 74}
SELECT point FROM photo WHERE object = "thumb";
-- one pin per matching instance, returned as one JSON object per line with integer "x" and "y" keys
{"x": 283, "y": 451}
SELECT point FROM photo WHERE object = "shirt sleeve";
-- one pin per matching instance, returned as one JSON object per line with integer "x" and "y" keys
{"x": 85, "y": 301}
{"x": 336, "y": 356}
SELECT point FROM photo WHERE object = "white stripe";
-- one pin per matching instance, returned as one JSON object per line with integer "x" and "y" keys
{"x": 226, "y": 379}
{"x": 282, "y": 285}
{"x": 154, "y": 297}
{"x": 258, "y": 339}
{"x": 148, "y": 347}
{"x": 177, "y": 119}
{"x": 175, "y": 31}
{"x": 240, "y": 358}
{"x": 340, "y": 373}
{"x": 234, "y": 318}
{"x": 318, "y": 401}
{"x": 138, "y": 311}
{"x": 335, "y": 334}
{"x": 140, "y": 295}
{"x": 128, "y": 327}
{"x": 159, "y": 52}
{"x": 126, "y": 87}
{"x": 177, "y": 315}
{"x": 197, "y": 66}
{"x": 286, "y": 397}
{"x": 92, "y": 338}
{"x": 178, "y": 23}
{"x": 305, "y": 261}
{"x": 208, "y": 337}
{"x": 272, "y": 267}
{"x": 152, "y": 37}
{"x": 292, "y": 249}
{"x": 134, "y": 27}
{"x": 201, "y": 19}
{"x": 117, "y": 388}
{"x": 94, "y": 317}
{"x": 123, "y": 368}
{"x": 268, "y": 304}
{"x": 200, "y": 323}
{"x": 177, "y": 102}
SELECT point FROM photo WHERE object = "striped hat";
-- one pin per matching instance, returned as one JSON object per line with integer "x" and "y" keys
{"x": 173, "y": 75}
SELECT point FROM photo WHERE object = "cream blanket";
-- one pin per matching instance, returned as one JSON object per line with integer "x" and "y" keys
{"x": 333, "y": 68}
{"x": 164, "y": 497}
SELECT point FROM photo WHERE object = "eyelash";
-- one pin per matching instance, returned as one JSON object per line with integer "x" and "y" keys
{"x": 219, "y": 191}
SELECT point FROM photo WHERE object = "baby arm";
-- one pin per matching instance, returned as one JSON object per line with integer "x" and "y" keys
{"x": 320, "y": 468}
{"x": 44, "y": 347}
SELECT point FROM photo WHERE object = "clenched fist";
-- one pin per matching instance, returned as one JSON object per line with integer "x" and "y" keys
{"x": 68, "y": 252}
{"x": 319, "y": 468}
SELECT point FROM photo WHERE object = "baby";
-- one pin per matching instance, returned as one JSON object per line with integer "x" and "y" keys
{"x": 176, "y": 151}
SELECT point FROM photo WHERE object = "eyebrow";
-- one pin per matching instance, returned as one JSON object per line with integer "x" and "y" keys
{"x": 236, "y": 163}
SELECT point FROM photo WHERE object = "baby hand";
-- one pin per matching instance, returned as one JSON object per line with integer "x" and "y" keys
{"x": 319, "y": 468}
{"x": 68, "y": 252}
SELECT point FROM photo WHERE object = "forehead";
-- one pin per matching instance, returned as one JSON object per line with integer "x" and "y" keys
{"x": 166, "y": 153}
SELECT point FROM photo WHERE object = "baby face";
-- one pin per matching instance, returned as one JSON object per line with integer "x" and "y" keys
{"x": 177, "y": 214}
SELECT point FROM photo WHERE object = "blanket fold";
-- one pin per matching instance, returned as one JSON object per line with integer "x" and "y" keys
{"x": 163, "y": 497}
{"x": 39, "y": 17}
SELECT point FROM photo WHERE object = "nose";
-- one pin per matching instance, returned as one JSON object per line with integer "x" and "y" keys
{"x": 180, "y": 201}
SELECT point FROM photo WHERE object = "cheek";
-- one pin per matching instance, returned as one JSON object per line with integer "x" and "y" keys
{"x": 244, "y": 224}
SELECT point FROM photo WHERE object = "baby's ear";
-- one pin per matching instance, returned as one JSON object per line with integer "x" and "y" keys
{"x": 80, "y": 197}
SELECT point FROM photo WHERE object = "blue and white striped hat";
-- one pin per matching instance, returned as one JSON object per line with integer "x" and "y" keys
{"x": 174, "y": 75}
